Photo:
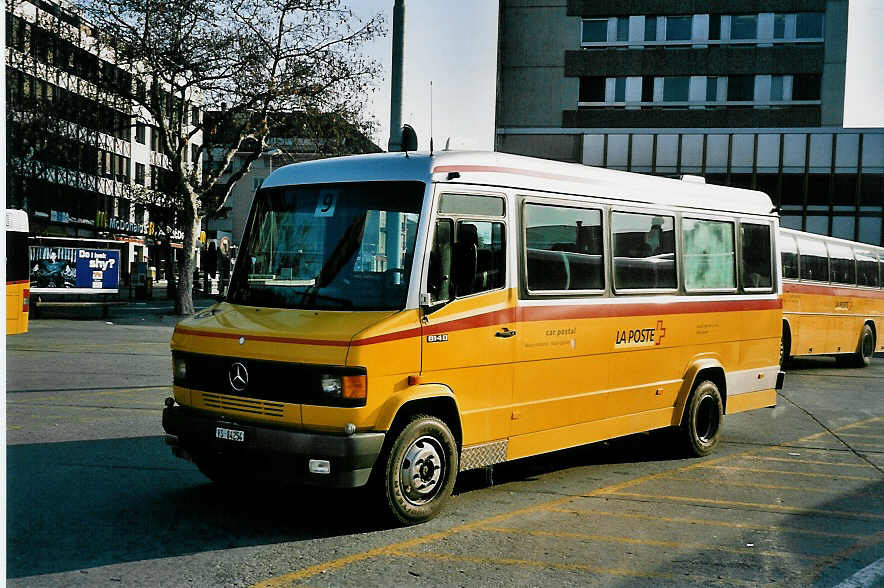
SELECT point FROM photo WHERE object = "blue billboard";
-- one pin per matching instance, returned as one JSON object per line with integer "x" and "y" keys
{"x": 74, "y": 270}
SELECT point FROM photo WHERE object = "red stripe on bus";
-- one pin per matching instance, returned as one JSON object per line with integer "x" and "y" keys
{"x": 522, "y": 314}
{"x": 265, "y": 338}
{"x": 832, "y": 291}
{"x": 16, "y": 282}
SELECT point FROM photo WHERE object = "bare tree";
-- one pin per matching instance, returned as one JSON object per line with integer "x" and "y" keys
{"x": 253, "y": 60}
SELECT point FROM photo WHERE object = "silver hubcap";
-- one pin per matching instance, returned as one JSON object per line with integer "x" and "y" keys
{"x": 422, "y": 470}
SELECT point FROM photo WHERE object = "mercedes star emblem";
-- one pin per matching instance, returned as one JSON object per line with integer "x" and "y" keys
{"x": 238, "y": 376}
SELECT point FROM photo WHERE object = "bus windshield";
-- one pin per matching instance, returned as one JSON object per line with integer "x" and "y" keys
{"x": 330, "y": 246}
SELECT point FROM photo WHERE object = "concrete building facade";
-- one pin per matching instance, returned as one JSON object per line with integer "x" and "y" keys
{"x": 747, "y": 93}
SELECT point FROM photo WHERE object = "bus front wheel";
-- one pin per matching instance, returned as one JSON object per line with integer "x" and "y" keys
{"x": 701, "y": 424}
{"x": 419, "y": 470}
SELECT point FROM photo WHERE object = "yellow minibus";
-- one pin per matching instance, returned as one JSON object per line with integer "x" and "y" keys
{"x": 833, "y": 301}
{"x": 18, "y": 285}
{"x": 395, "y": 319}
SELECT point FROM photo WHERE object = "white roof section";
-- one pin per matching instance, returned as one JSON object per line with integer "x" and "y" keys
{"x": 527, "y": 173}
{"x": 833, "y": 240}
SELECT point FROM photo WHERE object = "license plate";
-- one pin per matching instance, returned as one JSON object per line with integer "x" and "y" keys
{"x": 230, "y": 434}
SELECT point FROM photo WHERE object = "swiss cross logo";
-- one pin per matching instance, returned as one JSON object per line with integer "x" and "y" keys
{"x": 660, "y": 333}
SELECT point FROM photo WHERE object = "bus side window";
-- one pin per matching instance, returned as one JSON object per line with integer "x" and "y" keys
{"x": 755, "y": 267}
{"x": 789, "y": 257}
{"x": 479, "y": 257}
{"x": 644, "y": 251}
{"x": 439, "y": 269}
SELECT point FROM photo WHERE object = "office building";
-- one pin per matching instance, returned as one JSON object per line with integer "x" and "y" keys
{"x": 747, "y": 93}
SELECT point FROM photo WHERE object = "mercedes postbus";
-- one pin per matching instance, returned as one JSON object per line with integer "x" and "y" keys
{"x": 833, "y": 301}
{"x": 395, "y": 319}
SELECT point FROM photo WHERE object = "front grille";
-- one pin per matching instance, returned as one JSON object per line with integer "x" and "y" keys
{"x": 273, "y": 382}
{"x": 242, "y": 405}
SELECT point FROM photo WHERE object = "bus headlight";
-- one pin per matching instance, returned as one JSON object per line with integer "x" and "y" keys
{"x": 179, "y": 369}
{"x": 332, "y": 385}
{"x": 344, "y": 387}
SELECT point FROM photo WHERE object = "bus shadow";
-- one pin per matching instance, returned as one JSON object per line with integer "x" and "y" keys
{"x": 84, "y": 504}
{"x": 654, "y": 446}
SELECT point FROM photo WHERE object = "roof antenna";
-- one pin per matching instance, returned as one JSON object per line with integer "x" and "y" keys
{"x": 431, "y": 117}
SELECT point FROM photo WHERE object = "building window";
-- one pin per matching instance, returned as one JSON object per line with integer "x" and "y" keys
{"x": 647, "y": 88}
{"x": 744, "y": 26}
{"x": 740, "y": 88}
{"x": 678, "y": 28}
{"x": 623, "y": 29}
{"x": 139, "y": 133}
{"x": 712, "y": 89}
{"x": 619, "y": 89}
{"x": 676, "y": 89}
{"x": 779, "y": 26}
{"x": 595, "y": 31}
{"x": 714, "y": 27}
{"x": 809, "y": 25}
{"x": 139, "y": 174}
{"x": 806, "y": 86}
{"x": 194, "y": 115}
{"x": 776, "y": 88}
{"x": 195, "y": 154}
{"x": 650, "y": 28}
{"x": 592, "y": 89}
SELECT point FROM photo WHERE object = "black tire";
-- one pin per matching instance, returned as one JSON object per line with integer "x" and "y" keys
{"x": 865, "y": 349}
{"x": 785, "y": 348}
{"x": 703, "y": 417}
{"x": 424, "y": 452}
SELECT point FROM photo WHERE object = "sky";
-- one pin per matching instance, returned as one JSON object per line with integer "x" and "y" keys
{"x": 454, "y": 44}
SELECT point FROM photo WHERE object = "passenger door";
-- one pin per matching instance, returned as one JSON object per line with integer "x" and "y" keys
{"x": 468, "y": 327}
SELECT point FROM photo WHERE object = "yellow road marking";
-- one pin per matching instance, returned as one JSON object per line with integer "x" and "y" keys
{"x": 762, "y": 505}
{"x": 720, "y": 482}
{"x": 860, "y": 436}
{"x": 568, "y": 566}
{"x": 648, "y": 542}
{"x": 707, "y": 522}
{"x": 788, "y": 473}
{"x": 808, "y": 461}
{"x": 395, "y": 548}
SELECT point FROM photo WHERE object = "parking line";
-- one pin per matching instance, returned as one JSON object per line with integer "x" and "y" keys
{"x": 568, "y": 566}
{"x": 861, "y": 436}
{"x": 789, "y": 473}
{"x": 759, "y": 505}
{"x": 809, "y": 461}
{"x": 646, "y": 542}
{"x": 310, "y": 571}
{"x": 708, "y": 522}
{"x": 719, "y": 482}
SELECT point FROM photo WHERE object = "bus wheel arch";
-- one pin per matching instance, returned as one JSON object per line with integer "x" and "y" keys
{"x": 442, "y": 406}
{"x": 865, "y": 347}
{"x": 707, "y": 368}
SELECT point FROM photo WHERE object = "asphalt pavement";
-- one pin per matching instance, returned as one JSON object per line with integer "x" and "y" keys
{"x": 793, "y": 497}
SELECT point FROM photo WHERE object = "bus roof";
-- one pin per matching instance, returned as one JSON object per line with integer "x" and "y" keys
{"x": 16, "y": 220}
{"x": 516, "y": 171}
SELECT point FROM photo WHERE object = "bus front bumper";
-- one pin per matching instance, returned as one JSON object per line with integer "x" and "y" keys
{"x": 272, "y": 453}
